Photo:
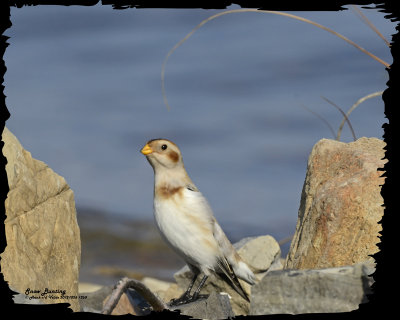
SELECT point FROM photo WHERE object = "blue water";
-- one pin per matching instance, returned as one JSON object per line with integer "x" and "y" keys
{"x": 84, "y": 92}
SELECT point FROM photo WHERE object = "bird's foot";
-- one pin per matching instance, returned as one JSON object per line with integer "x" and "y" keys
{"x": 181, "y": 300}
{"x": 187, "y": 298}
{"x": 201, "y": 297}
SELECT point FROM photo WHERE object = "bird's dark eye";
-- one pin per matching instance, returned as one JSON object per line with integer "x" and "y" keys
{"x": 164, "y": 146}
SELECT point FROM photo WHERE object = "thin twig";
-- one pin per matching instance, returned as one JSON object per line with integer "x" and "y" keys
{"x": 285, "y": 240}
{"x": 344, "y": 115}
{"x": 321, "y": 118}
{"x": 260, "y": 11}
{"x": 359, "y": 101}
{"x": 145, "y": 292}
{"x": 369, "y": 23}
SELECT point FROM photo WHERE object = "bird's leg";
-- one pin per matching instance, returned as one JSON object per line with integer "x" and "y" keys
{"x": 196, "y": 294}
{"x": 185, "y": 297}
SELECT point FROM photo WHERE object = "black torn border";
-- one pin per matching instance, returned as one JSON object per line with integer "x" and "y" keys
{"x": 383, "y": 300}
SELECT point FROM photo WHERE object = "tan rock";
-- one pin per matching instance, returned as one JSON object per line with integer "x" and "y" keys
{"x": 341, "y": 205}
{"x": 259, "y": 252}
{"x": 85, "y": 287}
{"x": 43, "y": 239}
{"x": 165, "y": 290}
{"x": 173, "y": 292}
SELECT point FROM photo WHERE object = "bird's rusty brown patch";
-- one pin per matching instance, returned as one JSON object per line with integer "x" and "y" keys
{"x": 166, "y": 191}
{"x": 174, "y": 156}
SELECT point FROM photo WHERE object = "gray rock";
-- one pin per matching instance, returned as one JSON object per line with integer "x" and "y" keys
{"x": 216, "y": 306}
{"x": 94, "y": 300}
{"x": 130, "y": 302}
{"x": 21, "y": 298}
{"x": 339, "y": 289}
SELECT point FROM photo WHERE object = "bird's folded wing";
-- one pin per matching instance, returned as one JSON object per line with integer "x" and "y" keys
{"x": 196, "y": 204}
{"x": 227, "y": 250}
{"x": 235, "y": 262}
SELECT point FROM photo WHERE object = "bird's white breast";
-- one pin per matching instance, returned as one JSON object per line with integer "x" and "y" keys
{"x": 185, "y": 221}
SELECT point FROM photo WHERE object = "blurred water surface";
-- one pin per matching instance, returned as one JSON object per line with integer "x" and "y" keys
{"x": 84, "y": 92}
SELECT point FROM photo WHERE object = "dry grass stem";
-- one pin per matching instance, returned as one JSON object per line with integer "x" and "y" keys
{"x": 322, "y": 119}
{"x": 344, "y": 115}
{"x": 369, "y": 23}
{"x": 285, "y": 240}
{"x": 145, "y": 292}
{"x": 292, "y": 16}
{"x": 359, "y": 101}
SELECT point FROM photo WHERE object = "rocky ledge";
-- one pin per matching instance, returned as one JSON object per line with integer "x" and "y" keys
{"x": 278, "y": 291}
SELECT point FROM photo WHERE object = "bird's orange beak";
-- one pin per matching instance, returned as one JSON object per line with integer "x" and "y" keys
{"x": 146, "y": 150}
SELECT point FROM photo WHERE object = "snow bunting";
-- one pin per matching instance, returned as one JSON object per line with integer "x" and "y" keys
{"x": 187, "y": 224}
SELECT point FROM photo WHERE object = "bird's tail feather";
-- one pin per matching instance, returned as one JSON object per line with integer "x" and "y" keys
{"x": 228, "y": 272}
{"x": 242, "y": 271}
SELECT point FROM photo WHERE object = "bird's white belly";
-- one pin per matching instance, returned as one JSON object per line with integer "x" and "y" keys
{"x": 187, "y": 236}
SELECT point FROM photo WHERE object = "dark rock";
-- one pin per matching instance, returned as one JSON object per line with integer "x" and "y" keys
{"x": 216, "y": 306}
{"x": 94, "y": 300}
{"x": 21, "y": 298}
